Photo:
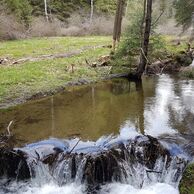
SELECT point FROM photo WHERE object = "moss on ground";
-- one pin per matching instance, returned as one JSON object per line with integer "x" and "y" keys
{"x": 187, "y": 182}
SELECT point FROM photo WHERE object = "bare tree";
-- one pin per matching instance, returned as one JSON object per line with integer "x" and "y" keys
{"x": 143, "y": 23}
{"x": 118, "y": 22}
{"x": 192, "y": 32}
{"x": 91, "y": 10}
{"x": 46, "y": 10}
{"x": 146, "y": 38}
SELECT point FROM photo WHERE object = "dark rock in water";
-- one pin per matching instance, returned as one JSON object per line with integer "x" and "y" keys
{"x": 13, "y": 165}
{"x": 187, "y": 182}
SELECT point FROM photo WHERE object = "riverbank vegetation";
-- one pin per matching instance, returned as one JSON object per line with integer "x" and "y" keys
{"x": 144, "y": 45}
{"x": 187, "y": 184}
{"x": 42, "y": 65}
{"x": 36, "y": 66}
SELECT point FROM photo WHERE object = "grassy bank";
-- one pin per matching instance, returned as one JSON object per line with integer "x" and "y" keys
{"x": 21, "y": 81}
{"x": 187, "y": 182}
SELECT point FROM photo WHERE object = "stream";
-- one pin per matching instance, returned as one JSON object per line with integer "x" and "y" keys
{"x": 89, "y": 120}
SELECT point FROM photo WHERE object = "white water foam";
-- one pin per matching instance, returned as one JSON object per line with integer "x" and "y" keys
{"x": 192, "y": 64}
{"x": 158, "y": 188}
{"x": 115, "y": 188}
{"x": 53, "y": 189}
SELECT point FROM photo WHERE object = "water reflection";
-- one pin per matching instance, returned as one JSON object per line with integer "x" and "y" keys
{"x": 157, "y": 114}
{"x": 157, "y": 106}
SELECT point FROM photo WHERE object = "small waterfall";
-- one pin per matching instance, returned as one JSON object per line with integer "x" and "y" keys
{"x": 192, "y": 64}
{"x": 136, "y": 163}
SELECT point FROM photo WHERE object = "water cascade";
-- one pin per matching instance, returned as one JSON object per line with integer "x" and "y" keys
{"x": 139, "y": 164}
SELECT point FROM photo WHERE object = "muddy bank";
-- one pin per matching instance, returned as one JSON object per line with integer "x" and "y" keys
{"x": 10, "y": 102}
{"x": 187, "y": 182}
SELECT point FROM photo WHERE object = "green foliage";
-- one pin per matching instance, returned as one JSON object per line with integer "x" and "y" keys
{"x": 187, "y": 182}
{"x": 130, "y": 45}
{"x": 184, "y": 10}
{"x": 62, "y": 9}
{"x": 157, "y": 47}
{"x": 21, "y": 9}
{"x": 106, "y": 6}
{"x": 129, "y": 48}
{"x": 24, "y": 10}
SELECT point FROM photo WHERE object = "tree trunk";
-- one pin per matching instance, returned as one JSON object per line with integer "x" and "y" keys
{"x": 46, "y": 11}
{"x": 91, "y": 10}
{"x": 145, "y": 45}
{"x": 118, "y": 22}
{"x": 143, "y": 23}
{"x": 192, "y": 32}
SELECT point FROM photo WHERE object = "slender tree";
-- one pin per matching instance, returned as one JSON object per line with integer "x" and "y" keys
{"x": 46, "y": 10}
{"x": 143, "y": 23}
{"x": 118, "y": 22}
{"x": 146, "y": 38}
{"x": 91, "y": 10}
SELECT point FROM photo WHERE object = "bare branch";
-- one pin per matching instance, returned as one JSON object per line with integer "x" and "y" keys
{"x": 8, "y": 128}
{"x": 74, "y": 146}
{"x": 158, "y": 18}
{"x": 148, "y": 62}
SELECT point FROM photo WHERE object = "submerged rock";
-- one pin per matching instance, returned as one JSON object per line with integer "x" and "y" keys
{"x": 187, "y": 182}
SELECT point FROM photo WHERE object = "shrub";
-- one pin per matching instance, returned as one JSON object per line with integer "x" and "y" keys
{"x": 10, "y": 28}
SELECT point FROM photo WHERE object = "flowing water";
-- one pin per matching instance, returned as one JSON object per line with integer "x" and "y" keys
{"x": 161, "y": 106}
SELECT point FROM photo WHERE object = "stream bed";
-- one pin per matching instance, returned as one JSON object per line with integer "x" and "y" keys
{"x": 161, "y": 107}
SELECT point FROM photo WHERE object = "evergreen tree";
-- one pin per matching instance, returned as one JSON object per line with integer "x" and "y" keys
{"x": 184, "y": 12}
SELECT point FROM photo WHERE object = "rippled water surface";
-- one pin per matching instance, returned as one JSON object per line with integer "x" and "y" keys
{"x": 160, "y": 105}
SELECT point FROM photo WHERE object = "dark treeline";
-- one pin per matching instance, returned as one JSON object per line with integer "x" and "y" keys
{"x": 24, "y": 10}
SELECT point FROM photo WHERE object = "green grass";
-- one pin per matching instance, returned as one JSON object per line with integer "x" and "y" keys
{"x": 24, "y": 80}
{"x": 187, "y": 182}
{"x": 171, "y": 44}
{"x": 41, "y": 46}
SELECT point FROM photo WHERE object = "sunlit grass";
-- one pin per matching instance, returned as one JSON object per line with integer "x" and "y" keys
{"x": 41, "y": 46}
{"x": 46, "y": 75}
{"x": 172, "y": 46}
